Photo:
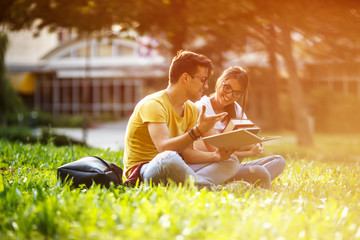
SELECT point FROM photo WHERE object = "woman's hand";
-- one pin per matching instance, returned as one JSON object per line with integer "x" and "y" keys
{"x": 245, "y": 148}
{"x": 224, "y": 153}
{"x": 256, "y": 149}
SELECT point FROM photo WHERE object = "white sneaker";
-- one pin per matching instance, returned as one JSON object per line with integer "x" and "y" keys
{"x": 237, "y": 186}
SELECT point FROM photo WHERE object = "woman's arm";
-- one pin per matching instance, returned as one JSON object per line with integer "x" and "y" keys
{"x": 249, "y": 151}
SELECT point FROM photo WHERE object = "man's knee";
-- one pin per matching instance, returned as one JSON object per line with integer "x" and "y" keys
{"x": 167, "y": 165}
{"x": 170, "y": 160}
{"x": 165, "y": 156}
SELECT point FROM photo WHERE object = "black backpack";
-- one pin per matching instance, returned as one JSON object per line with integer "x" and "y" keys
{"x": 89, "y": 170}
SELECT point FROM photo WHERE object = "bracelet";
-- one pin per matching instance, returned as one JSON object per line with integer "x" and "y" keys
{"x": 192, "y": 134}
{"x": 198, "y": 130}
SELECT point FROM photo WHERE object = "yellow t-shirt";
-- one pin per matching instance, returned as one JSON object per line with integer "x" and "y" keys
{"x": 155, "y": 108}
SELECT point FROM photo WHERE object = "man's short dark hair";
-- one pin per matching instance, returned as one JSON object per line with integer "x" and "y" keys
{"x": 186, "y": 61}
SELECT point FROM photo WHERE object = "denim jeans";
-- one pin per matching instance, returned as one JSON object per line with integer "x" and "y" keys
{"x": 262, "y": 171}
{"x": 217, "y": 172}
{"x": 170, "y": 165}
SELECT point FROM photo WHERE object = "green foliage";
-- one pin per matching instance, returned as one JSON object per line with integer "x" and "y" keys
{"x": 67, "y": 121}
{"x": 40, "y": 119}
{"x": 310, "y": 200}
{"x": 34, "y": 119}
{"x": 21, "y": 134}
{"x": 26, "y": 135}
{"x": 84, "y": 16}
{"x": 10, "y": 103}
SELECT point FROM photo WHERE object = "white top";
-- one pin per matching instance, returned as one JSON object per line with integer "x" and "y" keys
{"x": 219, "y": 126}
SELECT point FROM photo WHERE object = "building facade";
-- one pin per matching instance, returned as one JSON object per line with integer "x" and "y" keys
{"x": 96, "y": 76}
{"x": 342, "y": 77}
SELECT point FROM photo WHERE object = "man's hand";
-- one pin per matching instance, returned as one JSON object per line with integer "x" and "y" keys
{"x": 205, "y": 123}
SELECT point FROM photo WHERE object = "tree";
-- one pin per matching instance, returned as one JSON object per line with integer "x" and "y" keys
{"x": 279, "y": 16}
{"x": 87, "y": 17}
{"x": 15, "y": 15}
{"x": 227, "y": 23}
{"x": 273, "y": 24}
{"x": 335, "y": 33}
{"x": 166, "y": 18}
{"x": 332, "y": 24}
{"x": 224, "y": 25}
{"x": 316, "y": 19}
{"x": 10, "y": 104}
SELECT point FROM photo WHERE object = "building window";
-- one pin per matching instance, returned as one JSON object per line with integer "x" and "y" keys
{"x": 67, "y": 55}
{"x": 124, "y": 50}
{"x": 104, "y": 50}
{"x": 81, "y": 52}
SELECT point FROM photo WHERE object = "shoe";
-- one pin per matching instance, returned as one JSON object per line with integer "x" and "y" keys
{"x": 215, "y": 188}
{"x": 237, "y": 186}
{"x": 231, "y": 187}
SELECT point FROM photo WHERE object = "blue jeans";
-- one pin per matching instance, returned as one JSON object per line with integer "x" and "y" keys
{"x": 262, "y": 171}
{"x": 217, "y": 172}
{"x": 170, "y": 165}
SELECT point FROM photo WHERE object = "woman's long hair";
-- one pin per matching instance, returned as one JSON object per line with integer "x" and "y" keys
{"x": 238, "y": 73}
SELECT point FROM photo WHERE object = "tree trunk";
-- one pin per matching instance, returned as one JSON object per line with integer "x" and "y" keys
{"x": 273, "y": 80}
{"x": 301, "y": 116}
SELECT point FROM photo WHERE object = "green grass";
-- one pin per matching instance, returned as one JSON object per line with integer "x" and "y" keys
{"x": 317, "y": 197}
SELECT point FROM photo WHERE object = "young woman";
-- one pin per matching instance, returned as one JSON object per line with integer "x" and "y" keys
{"x": 230, "y": 87}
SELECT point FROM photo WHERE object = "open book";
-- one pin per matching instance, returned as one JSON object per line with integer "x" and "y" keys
{"x": 236, "y": 139}
{"x": 246, "y": 124}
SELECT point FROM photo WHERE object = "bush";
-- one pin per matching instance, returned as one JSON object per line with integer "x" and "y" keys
{"x": 67, "y": 121}
{"x": 39, "y": 118}
{"x": 34, "y": 119}
{"x": 334, "y": 112}
{"x": 26, "y": 135}
{"x": 21, "y": 134}
{"x": 10, "y": 103}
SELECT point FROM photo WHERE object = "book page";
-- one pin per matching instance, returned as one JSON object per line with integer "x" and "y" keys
{"x": 236, "y": 139}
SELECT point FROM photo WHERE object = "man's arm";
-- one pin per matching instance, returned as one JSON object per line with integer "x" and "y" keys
{"x": 194, "y": 156}
{"x": 160, "y": 135}
{"x": 205, "y": 146}
{"x": 182, "y": 144}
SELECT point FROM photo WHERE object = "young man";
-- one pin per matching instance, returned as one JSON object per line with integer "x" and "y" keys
{"x": 161, "y": 131}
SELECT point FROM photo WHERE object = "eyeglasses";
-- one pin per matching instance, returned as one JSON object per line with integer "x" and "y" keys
{"x": 227, "y": 89}
{"x": 203, "y": 80}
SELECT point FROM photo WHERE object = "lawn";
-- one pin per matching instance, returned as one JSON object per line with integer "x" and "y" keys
{"x": 317, "y": 197}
